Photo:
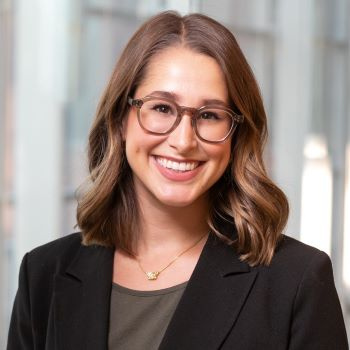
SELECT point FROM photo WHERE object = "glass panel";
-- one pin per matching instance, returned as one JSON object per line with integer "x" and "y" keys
{"x": 252, "y": 15}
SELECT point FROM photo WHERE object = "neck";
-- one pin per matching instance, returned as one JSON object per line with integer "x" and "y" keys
{"x": 165, "y": 228}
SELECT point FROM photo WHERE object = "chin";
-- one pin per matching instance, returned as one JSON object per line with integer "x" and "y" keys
{"x": 181, "y": 199}
{"x": 176, "y": 203}
{"x": 175, "y": 199}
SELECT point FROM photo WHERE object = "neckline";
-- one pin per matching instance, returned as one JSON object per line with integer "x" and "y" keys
{"x": 124, "y": 290}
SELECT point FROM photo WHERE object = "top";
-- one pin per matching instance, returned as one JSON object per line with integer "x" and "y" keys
{"x": 139, "y": 319}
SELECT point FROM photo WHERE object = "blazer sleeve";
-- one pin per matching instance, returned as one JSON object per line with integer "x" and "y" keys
{"x": 317, "y": 316}
{"x": 20, "y": 333}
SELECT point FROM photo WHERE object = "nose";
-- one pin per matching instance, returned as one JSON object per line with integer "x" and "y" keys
{"x": 183, "y": 138}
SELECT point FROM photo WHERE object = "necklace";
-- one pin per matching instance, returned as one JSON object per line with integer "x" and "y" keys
{"x": 153, "y": 275}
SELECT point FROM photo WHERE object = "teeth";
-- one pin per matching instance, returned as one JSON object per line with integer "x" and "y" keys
{"x": 178, "y": 166}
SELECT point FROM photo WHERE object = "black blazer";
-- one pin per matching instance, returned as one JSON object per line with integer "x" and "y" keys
{"x": 64, "y": 291}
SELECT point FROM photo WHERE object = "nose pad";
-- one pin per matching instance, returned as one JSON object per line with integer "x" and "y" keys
{"x": 184, "y": 138}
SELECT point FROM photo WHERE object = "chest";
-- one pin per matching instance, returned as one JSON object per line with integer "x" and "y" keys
{"x": 127, "y": 271}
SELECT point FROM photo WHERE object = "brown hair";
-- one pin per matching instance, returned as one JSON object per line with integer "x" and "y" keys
{"x": 108, "y": 210}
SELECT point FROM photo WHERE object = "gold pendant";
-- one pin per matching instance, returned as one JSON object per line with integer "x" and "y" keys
{"x": 152, "y": 275}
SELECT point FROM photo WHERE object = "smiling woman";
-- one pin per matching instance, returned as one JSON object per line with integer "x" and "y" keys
{"x": 174, "y": 60}
{"x": 181, "y": 243}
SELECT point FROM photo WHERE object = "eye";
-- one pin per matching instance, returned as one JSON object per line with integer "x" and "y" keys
{"x": 210, "y": 115}
{"x": 162, "y": 108}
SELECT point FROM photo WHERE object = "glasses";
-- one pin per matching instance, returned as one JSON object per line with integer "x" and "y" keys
{"x": 160, "y": 116}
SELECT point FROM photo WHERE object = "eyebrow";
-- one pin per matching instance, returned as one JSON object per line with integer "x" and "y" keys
{"x": 176, "y": 98}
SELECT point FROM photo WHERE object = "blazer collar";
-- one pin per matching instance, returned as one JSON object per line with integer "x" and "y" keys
{"x": 208, "y": 309}
{"x": 212, "y": 300}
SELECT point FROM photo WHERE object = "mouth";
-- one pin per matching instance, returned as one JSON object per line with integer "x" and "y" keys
{"x": 177, "y": 166}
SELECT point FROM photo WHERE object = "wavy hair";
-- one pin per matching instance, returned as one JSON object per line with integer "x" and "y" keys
{"x": 108, "y": 212}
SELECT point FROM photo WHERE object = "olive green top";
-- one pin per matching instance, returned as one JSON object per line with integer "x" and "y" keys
{"x": 139, "y": 319}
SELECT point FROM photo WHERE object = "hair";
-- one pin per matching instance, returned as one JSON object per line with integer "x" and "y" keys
{"x": 108, "y": 212}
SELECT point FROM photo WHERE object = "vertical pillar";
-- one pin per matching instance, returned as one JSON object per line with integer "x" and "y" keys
{"x": 39, "y": 96}
{"x": 292, "y": 101}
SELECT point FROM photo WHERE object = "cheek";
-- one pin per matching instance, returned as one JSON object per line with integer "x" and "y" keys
{"x": 132, "y": 136}
{"x": 224, "y": 164}
{"x": 223, "y": 160}
{"x": 139, "y": 145}
{"x": 223, "y": 154}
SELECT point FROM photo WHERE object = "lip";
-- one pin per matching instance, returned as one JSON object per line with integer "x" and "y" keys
{"x": 173, "y": 175}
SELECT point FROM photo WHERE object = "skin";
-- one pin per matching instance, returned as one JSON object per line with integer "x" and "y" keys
{"x": 173, "y": 211}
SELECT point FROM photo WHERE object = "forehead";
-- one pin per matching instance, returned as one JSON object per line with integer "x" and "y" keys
{"x": 185, "y": 73}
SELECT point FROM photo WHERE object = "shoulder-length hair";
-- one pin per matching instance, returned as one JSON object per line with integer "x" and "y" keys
{"x": 108, "y": 212}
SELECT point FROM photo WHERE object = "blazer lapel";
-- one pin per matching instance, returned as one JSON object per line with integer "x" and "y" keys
{"x": 81, "y": 300}
{"x": 211, "y": 301}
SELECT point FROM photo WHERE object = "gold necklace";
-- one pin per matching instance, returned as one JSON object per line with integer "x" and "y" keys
{"x": 153, "y": 275}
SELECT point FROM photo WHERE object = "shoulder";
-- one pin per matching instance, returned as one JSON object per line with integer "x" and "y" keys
{"x": 292, "y": 253}
{"x": 295, "y": 262}
{"x": 291, "y": 250}
{"x": 59, "y": 246}
{"x": 70, "y": 240}
{"x": 55, "y": 255}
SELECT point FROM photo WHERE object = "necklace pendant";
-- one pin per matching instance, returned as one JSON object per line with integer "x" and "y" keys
{"x": 152, "y": 275}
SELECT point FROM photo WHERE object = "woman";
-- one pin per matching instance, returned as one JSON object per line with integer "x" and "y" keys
{"x": 181, "y": 244}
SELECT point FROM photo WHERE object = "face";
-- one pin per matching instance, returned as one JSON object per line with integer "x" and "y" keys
{"x": 177, "y": 169}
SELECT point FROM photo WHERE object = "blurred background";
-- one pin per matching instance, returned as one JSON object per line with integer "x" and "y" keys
{"x": 56, "y": 57}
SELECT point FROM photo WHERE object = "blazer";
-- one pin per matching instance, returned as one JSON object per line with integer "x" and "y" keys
{"x": 63, "y": 300}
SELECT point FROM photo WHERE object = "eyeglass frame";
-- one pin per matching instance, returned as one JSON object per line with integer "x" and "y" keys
{"x": 194, "y": 112}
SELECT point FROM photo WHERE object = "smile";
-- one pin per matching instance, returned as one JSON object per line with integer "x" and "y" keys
{"x": 177, "y": 166}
